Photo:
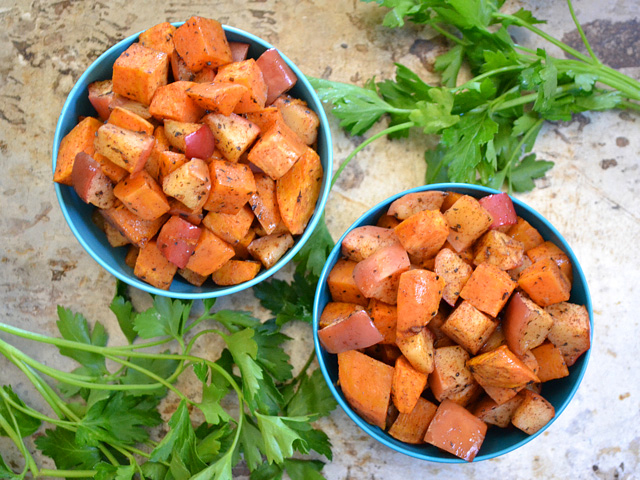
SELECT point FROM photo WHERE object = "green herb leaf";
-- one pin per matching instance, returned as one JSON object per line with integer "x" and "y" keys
{"x": 122, "y": 307}
{"x": 162, "y": 367}
{"x": 6, "y": 472}
{"x": 279, "y": 436}
{"x": 166, "y": 317}
{"x": 435, "y": 116}
{"x": 252, "y": 444}
{"x": 74, "y": 327}
{"x": 528, "y": 169}
{"x": 311, "y": 258}
{"x": 287, "y": 301}
{"x": 61, "y": 446}
{"x": 312, "y": 398}
{"x": 27, "y": 425}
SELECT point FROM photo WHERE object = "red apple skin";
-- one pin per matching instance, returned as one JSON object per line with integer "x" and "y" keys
{"x": 354, "y": 332}
{"x": 239, "y": 51}
{"x": 200, "y": 144}
{"x": 277, "y": 74}
{"x": 90, "y": 182}
{"x": 501, "y": 209}
{"x": 177, "y": 240}
{"x": 372, "y": 272}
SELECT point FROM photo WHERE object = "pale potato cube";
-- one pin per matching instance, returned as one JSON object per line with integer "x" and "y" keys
{"x": 533, "y": 413}
{"x": 234, "y": 134}
{"x": 271, "y": 248}
{"x": 571, "y": 330}
{"x": 418, "y": 349}
{"x": 487, "y": 410}
{"x": 299, "y": 118}
{"x": 469, "y": 327}
{"x": 190, "y": 184}
{"x": 450, "y": 375}
{"x": 498, "y": 249}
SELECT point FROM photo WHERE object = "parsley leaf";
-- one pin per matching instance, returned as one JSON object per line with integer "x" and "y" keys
{"x": 311, "y": 258}
{"x": 6, "y": 472}
{"x": 74, "y": 327}
{"x": 449, "y": 64}
{"x": 123, "y": 309}
{"x": 61, "y": 446}
{"x": 279, "y": 436}
{"x": 312, "y": 398}
{"x": 288, "y": 301}
{"x": 164, "y": 368}
{"x": 166, "y": 317}
{"x": 26, "y": 424}
{"x": 528, "y": 169}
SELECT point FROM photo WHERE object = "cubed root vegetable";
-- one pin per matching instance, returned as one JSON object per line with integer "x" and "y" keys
{"x": 423, "y": 233}
{"x": 210, "y": 254}
{"x": 366, "y": 383}
{"x": 468, "y": 220}
{"x": 153, "y": 267}
{"x": 488, "y": 289}
{"x": 248, "y": 74}
{"x": 419, "y": 295}
{"x": 545, "y": 283}
{"x": 523, "y": 232}
{"x": 413, "y": 203}
{"x": 408, "y": 384}
{"x": 231, "y": 228}
{"x": 551, "y": 363}
{"x": 353, "y": 332}
{"x": 201, "y": 42}
{"x": 235, "y": 272}
{"x": 135, "y": 229}
{"x": 362, "y": 242}
{"x": 342, "y": 286}
{"x": 79, "y": 139}
{"x": 411, "y": 427}
{"x": 455, "y": 430}
{"x": 139, "y": 71}
{"x": 501, "y": 368}
{"x": 337, "y": 311}
{"x": 533, "y": 413}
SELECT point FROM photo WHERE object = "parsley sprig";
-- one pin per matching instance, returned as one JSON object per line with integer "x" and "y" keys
{"x": 102, "y": 419}
{"x": 488, "y": 125}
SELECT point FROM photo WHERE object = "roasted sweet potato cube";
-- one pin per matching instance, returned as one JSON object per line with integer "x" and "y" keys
{"x": 245, "y": 73}
{"x": 411, "y": 427}
{"x": 515, "y": 273}
{"x": 234, "y": 134}
{"x": 192, "y": 277}
{"x": 297, "y": 191}
{"x": 435, "y": 326}
{"x": 366, "y": 384}
{"x": 126, "y": 148}
{"x": 525, "y": 324}
{"x": 501, "y": 368}
{"x": 135, "y": 229}
{"x": 114, "y": 237}
{"x": 230, "y": 227}
{"x": 551, "y": 250}
{"x": 378, "y": 275}
{"x": 469, "y": 327}
{"x": 408, "y": 385}
{"x": 342, "y": 286}
{"x": 153, "y": 267}
{"x": 172, "y": 102}
{"x": 488, "y": 289}
{"x": 337, "y": 311}
{"x": 545, "y": 283}
{"x": 169, "y": 161}
{"x": 90, "y": 182}
{"x": 455, "y": 430}
{"x": 162, "y": 145}
{"x": 139, "y": 72}
{"x": 385, "y": 318}
{"x": 219, "y": 97}
{"x": 423, "y": 234}
{"x": 418, "y": 349}
{"x": 468, "y": 220}
{"x": 498, "y": 249}
{"x": 487, "y": 410}
{"x": 180, "y": 70}
{"x": 276, "y": 151}
{"x": 232, "y": 185}
{"x": 110, "y": 169}
{"x": 141, "y": 194}
{"x": 271, "y": 248}
{"x": 79, "y": 139}
{"x": 450, "y": 373}
{"x": 159, "y": 37}
{"x": 571, "y": 330}
{"x": 131, "y": 121}
{"x": 501, "y": 395}
{"x": 132, "y": 256}
{"x": 419, "y": 295}
{"x": 467, "y": 395}
{"x": 241, "y": 247}
{"x": 387, "y": 221}
{"x": 533, "y": 413}
{"x": 496, "y": 339}
{"x": 551, "y": 363}
{"x": 523, "y": 232}
{"x": 138, "y": 108}
{"x": 235, "y": 272}
{"x": 201, "y": 42}
{"x": 190, "y": 184}
{"x": 264, "y": 204}
{"x": 206, "y": 75}
{"x": 454, "y": 271}
{"x": 412, "y": 203}
{"x": 210, "y": 254}
{"x": 362, "y": 242}
{"x": 266, "y": 118}
{"x": 299, "y": 118}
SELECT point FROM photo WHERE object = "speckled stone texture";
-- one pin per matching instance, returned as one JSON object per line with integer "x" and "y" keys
{"x": 591, "y": 196}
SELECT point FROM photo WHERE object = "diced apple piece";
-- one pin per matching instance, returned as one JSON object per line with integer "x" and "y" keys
{"x": 337, "y": 311}
{"x": 362, "y": 242}
{"x": 501, "y": 209}
{"x": 271, "y": 248}
{"x": 299, "y": 118}
{"x": 413, "y": 203}
{"x": 234, "y": 134}
{"x": 455, "y": 272}
{"x": 177, "y": 240}
{"x": 130, "y": 150}
{"x": 487, "y": 410}
{"x": 525, "y": 324}
{"x": 418, "y": 349}
{"x": 571, "y": 330}
{"x": 533, "y": 413}
{"x": 377, "y": 275}
{"x": 190, "y": 183}
{"x": 468, "y": 220}
{"x": 469, "y": 327}
{"x": 501, "y": 368}
{"x": 354, "y": 332}
{"x": 278, "y": 76}
{"x": 90, "y": 182}
{"x": 450, "y": 374}
{"x": 499, "y": 249}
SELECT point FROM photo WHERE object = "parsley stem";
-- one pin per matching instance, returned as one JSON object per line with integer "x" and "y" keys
{"x": 488, "y": 74}
{"x": 449, "y": 35}
{"x": 45, "y": 472}
{"x": 386, "y": 131}
{"x": 582, "y": 35}
{"x": 36, "y": 414}
{"x": 12, "y": 431}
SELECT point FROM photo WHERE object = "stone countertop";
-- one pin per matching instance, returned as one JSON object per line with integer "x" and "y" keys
{"x": 591, "y": 196}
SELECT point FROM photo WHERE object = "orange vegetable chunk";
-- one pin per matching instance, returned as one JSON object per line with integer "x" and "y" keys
{"x": 152, "y": 267}
{"x": 525, "y": 233}
{"x": 159, "y": 37}
{"x": 551, "y": 363}
{"x": 336, "y": 311}
{"x": 235, "y": 272}
{"x": 488, "y": 289}
{"x": 501, "y": 368}
{"x": 135, "y": 229}
{"x": 411, "y": 427}
{"x": 366, "y": 384}
{"x": 419, "y": 295}
{"x": 79, "y": 139}
{"x": 210, "y": 254}
{"x": 264, "y": 204}
{"x": 385, "y": 318}
{"x": 248, "y": 74}
{"x": 551, "y": 250}
{"x": 231, "y": 227}
{"x": 297, "y": 191}
{"x": 172, "y": 102}
{"x": 139, "y": 72}
{"x": 201, "y": 42}
{"x": 455, "y": 430}
{"x": 342, "y": 286}
{"x": 545, "y": 283}
{"x": 276, "y": 151}
{"x": 408, "y": 384}
{"x": 468, "y": 220}
{"x": 219, "y": 97}
{"x": 131, "y": 121}
{"x": 141, "y": 194}
{"x": 232, "y": 185}
{"x": 423, "y": 233}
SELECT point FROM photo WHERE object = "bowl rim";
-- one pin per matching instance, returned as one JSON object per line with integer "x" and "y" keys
{"x": 382, "y": 436}
{"x": 80, "y": 86}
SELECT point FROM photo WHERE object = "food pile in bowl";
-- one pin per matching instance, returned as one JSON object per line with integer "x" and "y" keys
{"x": 443, "y": 313}
{"x": 199, "y": 160}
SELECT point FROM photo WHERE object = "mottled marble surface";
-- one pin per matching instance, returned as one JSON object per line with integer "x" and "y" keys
{"x": 591, "y": 196}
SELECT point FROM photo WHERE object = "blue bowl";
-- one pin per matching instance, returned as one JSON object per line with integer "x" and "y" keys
{"x": 498, "y": 440}
{"x": 78, "y": 214}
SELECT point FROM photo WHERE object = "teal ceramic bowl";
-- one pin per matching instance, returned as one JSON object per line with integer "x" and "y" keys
{"x": 498, "y": 441}
{"x": 78, "y": 214}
